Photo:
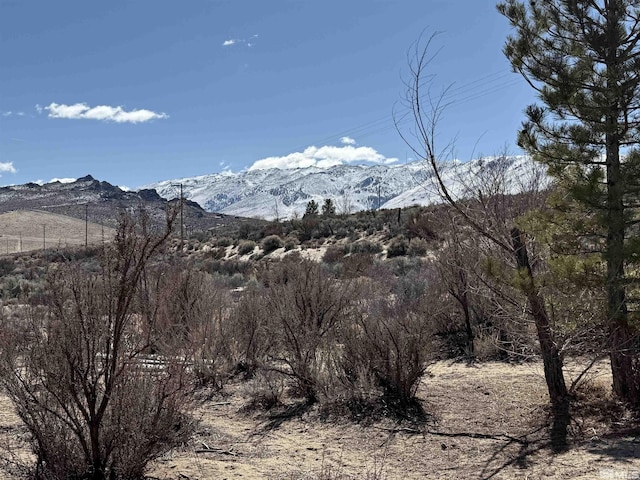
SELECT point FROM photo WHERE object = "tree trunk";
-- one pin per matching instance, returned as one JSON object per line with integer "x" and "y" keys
{"x": 551, "y": 359}
{"x": 621, "y": 333}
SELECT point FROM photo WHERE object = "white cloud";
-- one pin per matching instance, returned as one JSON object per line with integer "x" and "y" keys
{"x": 54, "y": 180}
{"x": 7, "y": 114}
{"x": 240, "y": 41}
{"x": 101, "y": 112}
{"x": 7, "y": 167}
{"x": 347, "y": 141}
{"x": 323, "y": 157}
{"x": 62, "y": 180}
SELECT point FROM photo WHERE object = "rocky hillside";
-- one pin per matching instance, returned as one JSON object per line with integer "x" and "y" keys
{"x": 102, "y": 203}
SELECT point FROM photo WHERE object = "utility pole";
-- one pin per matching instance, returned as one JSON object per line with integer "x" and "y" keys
{"x": 181, "y": 219}
{"x": 86, "y": 225}
{"x": 181, "y": 214}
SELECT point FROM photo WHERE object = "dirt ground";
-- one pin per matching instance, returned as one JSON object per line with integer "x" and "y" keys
{"x": 486, "y": 421}
{"x": 25, "y": 230}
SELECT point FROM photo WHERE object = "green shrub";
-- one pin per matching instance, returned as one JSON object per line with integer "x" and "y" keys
{"x": 223, "y": 242}
{"x": 333, "y": 254}
{"x": 200, "y": 236}
{"x": 290, "y": 243}
{"x": 398, "y": 247}
{"x": 341, "y": 233}
{"x": 418, "y": 247}
{"x": 271, "y": 243}
{"x": 6, "y": 266}
{"x": 227, "y": 267}
{"x": 246, "y": 246}
{"x": 365, "y": 246}
{"x": 218, "y": 253}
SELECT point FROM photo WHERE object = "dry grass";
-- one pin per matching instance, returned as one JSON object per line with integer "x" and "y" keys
{"x": 488, "y": 423}
{"x": 25, "y": 230}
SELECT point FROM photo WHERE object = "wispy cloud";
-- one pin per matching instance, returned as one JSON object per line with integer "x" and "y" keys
{"x": 324, "y": 157}
{"x": 9, "y": 113}
{"x": 247, "y": 42}
{"x": 104, "y": 113}
{"x": 347, "y": 141}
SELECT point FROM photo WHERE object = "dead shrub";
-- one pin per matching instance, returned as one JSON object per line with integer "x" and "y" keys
{"x": 306, "y": 306}
{"x": 193, "y": 313}
{"x": 250, "y": 332}
{"x": 80, "y": 373}
{"x": 486, "y": 347}
{"x": 265, "y": 391}
{"x": 390, "y": 344}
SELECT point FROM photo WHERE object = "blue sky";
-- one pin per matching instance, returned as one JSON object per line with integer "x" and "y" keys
{"x": 134, "y": 92}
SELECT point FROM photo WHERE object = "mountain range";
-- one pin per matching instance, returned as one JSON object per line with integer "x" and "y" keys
{"x": 100, "y": 202}
{"x": 284, "y": 193}
{"x": 220, "y": 199}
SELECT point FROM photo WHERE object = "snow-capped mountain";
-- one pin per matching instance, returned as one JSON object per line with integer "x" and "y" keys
{"x": 275, "y": 193}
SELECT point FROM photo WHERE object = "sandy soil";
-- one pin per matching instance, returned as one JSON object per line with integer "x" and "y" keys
{"x": 485, "y": 421}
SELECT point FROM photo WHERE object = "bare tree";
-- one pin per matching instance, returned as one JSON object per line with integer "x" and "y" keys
{"x": 490, "y": 215}
{"x": 79, "y": 373}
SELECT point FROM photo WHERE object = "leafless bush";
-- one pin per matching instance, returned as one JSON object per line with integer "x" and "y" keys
{"x": 250, "y": 332}
{"x": 306, "y": 306}
{"x": 80, "y": 373}
{"x": 193, "y": 313}
{"x": 390, "y": 343}
{"x": 265, "y": 392}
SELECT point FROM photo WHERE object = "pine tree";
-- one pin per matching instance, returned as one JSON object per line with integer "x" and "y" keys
{"x": 583, "y": 59}
{"x": 328, "y": 208}
{"x": 312, "y": 209}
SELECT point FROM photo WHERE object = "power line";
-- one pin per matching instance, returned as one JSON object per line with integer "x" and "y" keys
{"x": 456, "y": 95}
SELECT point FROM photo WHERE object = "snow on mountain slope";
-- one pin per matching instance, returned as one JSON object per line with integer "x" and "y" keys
{"x": 271, "y": 193}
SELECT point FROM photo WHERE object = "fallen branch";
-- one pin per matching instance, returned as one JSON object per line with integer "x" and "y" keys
{"x": 415, "y": 431}
{"x": 219, "y": 451}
